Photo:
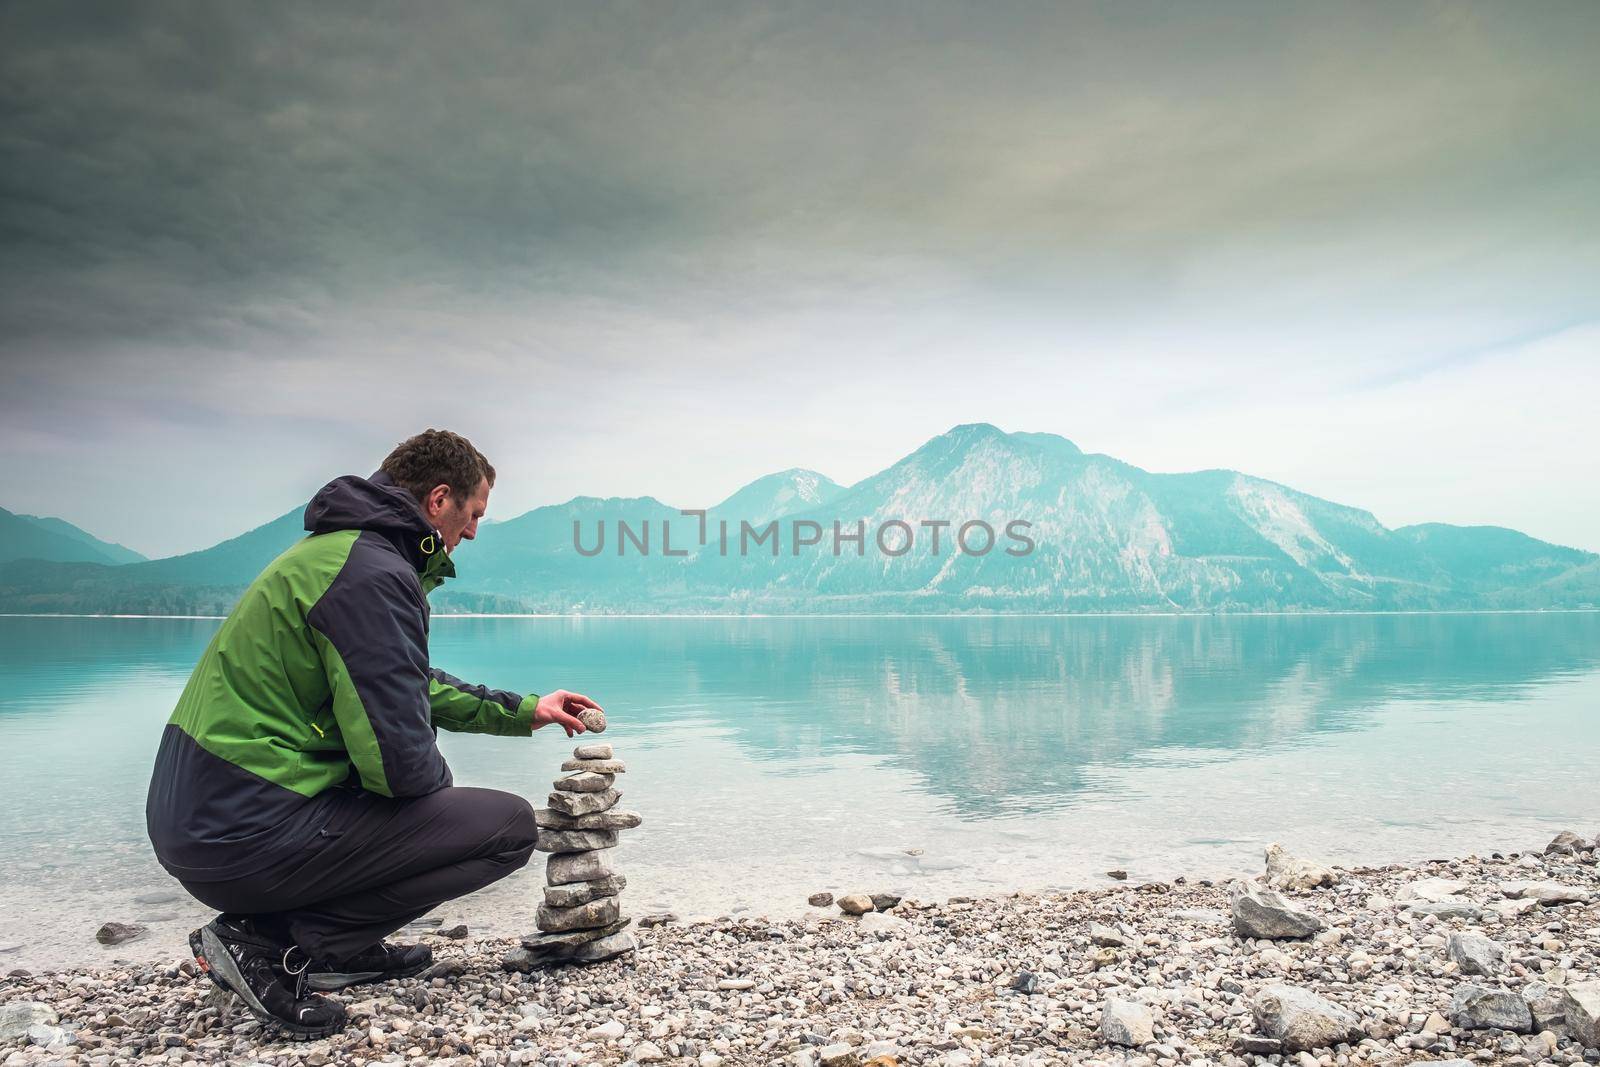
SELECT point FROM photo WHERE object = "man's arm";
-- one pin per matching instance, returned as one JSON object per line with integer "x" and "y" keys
{"x": 477, "y": 709}
{"x": 368, "y": 629}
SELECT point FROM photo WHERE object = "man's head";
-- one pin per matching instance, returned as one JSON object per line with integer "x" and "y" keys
{"x": 450, "y": 479}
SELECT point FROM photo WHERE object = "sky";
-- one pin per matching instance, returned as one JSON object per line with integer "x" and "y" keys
{"x": 667, "y": 248}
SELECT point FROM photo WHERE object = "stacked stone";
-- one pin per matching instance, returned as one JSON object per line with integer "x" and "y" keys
{"x": 581, "y": 920}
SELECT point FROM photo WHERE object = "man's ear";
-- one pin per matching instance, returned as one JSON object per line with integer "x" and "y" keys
{"x": 438, "y": 496}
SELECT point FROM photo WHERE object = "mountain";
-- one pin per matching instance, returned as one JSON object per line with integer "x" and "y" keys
{"x": 533, "y": 562}
{"x": 1031, "y": 523}
{"x": 113, "y": 553}
{"x": 777, "y": 495}
{"x": 234, "y": 562}
{"x": 56, "y": 540}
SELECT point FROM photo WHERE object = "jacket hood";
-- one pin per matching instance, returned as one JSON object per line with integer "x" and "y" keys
{"x": 377, "y": 504}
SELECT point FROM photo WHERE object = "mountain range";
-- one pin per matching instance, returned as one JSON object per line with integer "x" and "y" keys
{"x": 1104, "y": 536}
{"x": 35, "y": 537}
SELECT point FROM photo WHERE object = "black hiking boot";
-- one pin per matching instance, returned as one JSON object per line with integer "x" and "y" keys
{"x": 250, "y": 965}
{"x": 380, "y": 963}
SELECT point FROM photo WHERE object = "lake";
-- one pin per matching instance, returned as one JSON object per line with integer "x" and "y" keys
{"x": 775, "y": 757}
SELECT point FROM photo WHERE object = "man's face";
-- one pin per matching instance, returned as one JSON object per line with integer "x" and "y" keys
{"x": 457, "y": 519}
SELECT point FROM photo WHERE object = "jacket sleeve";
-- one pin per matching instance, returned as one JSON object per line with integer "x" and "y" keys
{"x": 369, "y": 630}
{"x": 476, "y": 709}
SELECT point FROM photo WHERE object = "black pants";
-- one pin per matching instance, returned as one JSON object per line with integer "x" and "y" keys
{"x": 380, "y": 863}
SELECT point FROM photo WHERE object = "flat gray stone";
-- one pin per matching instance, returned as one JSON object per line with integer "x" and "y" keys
{"x": 577, "y": 867}
{"x": 1434, "y": 889}
{"x": 1547, "y": 894}
{"x": 545, "y": 942}
{"x": 610, "y": 819}
{"x": 1303, "y": 1021}
{"x": 570, "y": 803}
{"x": 1258, "y": 1045}
{"x": 1127, "y": 1023}
{"x": 600, "y": 912}
{"x": 615, "y": 942}
{"x": 1450, "y": 909}
{"x": 1263, "y": 913}
{"x": 575, "y": 840}
{"x": 593, "y": 750}
{"x": 584, "y": 782}
{"x": 1473, "y": 1007}
{"x": 575, "y": 893}
{"x": 596, "y": 766}
{"x": 606, "y": 948}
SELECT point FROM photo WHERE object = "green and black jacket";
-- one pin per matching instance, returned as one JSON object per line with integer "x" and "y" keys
{"x": 318, "y": 679}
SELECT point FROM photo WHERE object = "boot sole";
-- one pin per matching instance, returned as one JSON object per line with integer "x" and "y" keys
{"x": 217, "y": 962}
{"x": 328, "y": 981}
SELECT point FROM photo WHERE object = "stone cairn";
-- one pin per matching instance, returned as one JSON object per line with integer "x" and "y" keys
{"x": 581, "y": 920}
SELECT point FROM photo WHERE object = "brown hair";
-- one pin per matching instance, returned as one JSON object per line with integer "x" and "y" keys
{"x": 437, "y": 457}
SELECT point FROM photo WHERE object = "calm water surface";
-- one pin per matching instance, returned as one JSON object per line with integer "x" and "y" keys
{"x": 775, "y": 757}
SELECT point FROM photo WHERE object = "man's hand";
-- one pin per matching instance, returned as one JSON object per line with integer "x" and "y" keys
{"x": 561, "y": 708}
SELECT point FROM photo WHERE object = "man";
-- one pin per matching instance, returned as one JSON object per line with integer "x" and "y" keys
{"x": 299, "y": 788}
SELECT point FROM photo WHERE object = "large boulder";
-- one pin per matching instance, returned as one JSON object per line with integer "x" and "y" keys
{"x": 1259, "y": 912}
{"x": 1475, "y": 1008}
{"x": 1566, "y": 843}
{"x": 1285, "y": 871}
{"x": 1547, "y": 1003}
{"x": 19, "y": 1016}
{"x": 1476, "y": 954}
{"x": 1127, "y": 1023}
{"x": 1581, "y": 1006}
{"x": 1301, "y": 1020}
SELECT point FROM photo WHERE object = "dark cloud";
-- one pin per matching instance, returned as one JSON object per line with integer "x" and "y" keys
{"x": 169, "y": 168}
{"x": 205, "y": 203}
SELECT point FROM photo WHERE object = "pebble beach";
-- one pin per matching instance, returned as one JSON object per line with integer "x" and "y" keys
{"x": 1476, "y": 959}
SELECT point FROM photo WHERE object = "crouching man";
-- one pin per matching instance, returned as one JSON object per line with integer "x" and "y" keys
{"x": 299, "y": 789}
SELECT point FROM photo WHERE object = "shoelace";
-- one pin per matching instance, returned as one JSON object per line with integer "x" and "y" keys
{"x": 299, "y": 976}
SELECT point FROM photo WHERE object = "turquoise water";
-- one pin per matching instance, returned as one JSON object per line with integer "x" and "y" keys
{"x": 775, "y": 757}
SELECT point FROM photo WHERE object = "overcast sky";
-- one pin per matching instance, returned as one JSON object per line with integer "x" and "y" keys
{"x": 666, "y": 248}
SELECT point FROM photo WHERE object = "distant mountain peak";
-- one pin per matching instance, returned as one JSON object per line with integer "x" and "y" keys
{"x": 780, "y": 493}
